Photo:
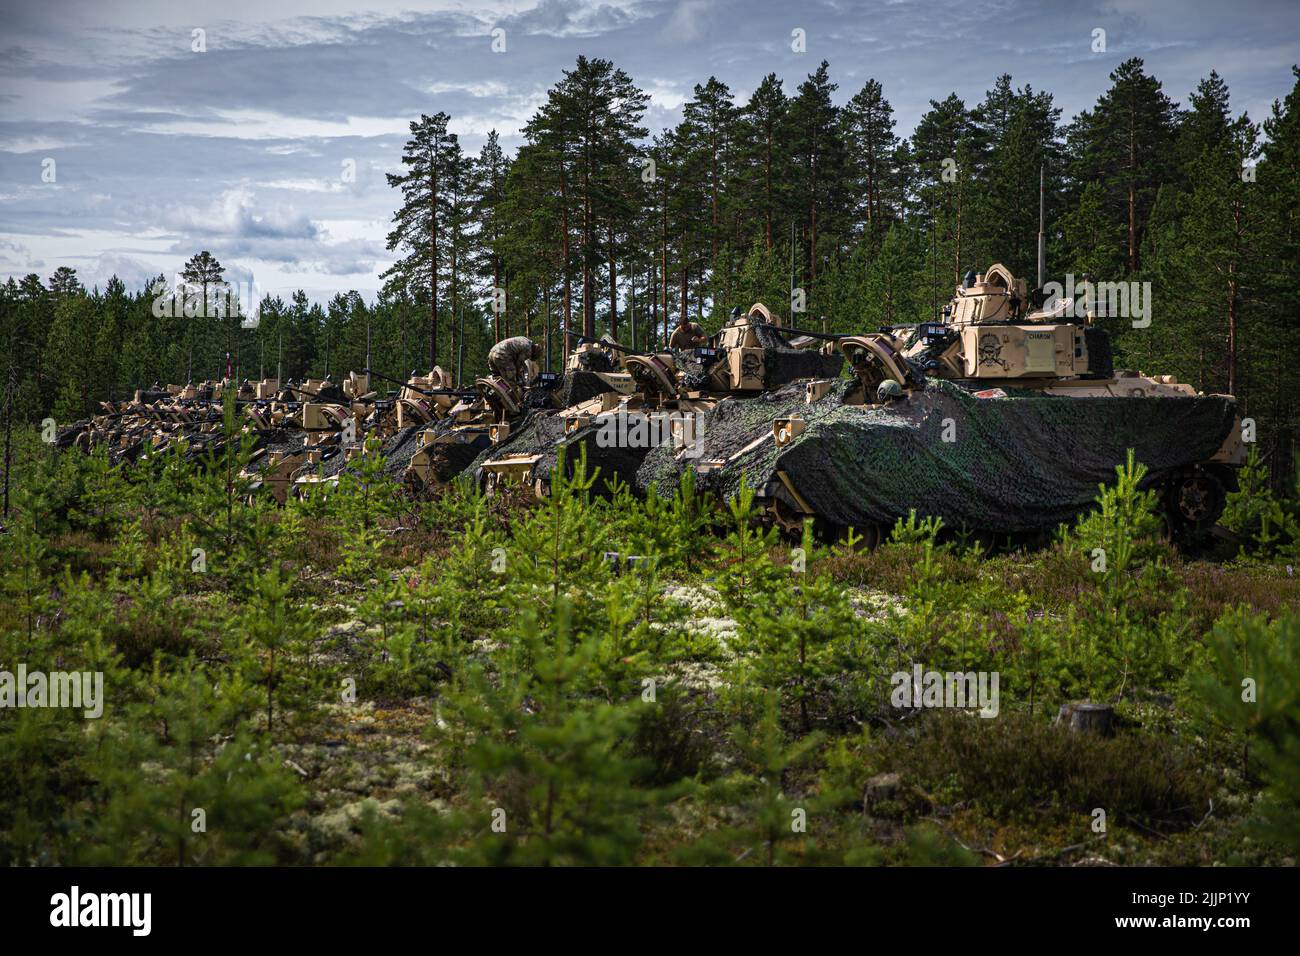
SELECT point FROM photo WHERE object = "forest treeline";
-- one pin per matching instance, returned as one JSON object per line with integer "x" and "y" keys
{"x": 597, "y": 224}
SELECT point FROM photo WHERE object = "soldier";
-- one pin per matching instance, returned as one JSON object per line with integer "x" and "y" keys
{"x": 509, "y": 358}
{"x": 688, "y": 335}
{"x": 888, "y": 392}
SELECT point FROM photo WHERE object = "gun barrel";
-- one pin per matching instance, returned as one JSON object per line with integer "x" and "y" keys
{"x": 609, "y": 345}
{"x": 824, "y": 336}
{"x": 423, "y": 391}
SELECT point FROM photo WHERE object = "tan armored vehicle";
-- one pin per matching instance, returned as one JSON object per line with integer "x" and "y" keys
{"x": 1001, "y": 418}
{"x": 655, "y": 400}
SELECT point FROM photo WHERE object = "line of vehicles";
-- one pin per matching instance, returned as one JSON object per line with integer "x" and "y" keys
{"x": 1002, "y": 418}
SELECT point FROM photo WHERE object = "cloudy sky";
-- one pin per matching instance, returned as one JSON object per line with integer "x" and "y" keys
{"x": 157, "y": 150}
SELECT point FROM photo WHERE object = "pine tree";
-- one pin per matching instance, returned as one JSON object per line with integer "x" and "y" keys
{"x": 871, "y": 142}
{"x": 488, "y": 208}
{"x": 708, "y": 120}
{"x": 592, "y": 121}
{"x": 818, "y": 159}
{"x": 763, "y": 156}
{"x": 418, "y": 226}
{"x": 1127, "y": 144}
{"x": 203, "y": 272}
{"x": 1018, "y": 133}
{"x": 945, "y": 152}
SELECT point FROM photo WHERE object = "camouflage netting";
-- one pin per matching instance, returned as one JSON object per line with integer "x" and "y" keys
{"x": 399, "y": 448}
{"x": 576, "y": 386}
{"x": 543, "y": 434}
{"x": 695, "y": 374}
{"x": 276, "y": 441}
{"x": 540, "y": 429}
{"x": 1017, "y": 464}
{"x": 781, "y": 366}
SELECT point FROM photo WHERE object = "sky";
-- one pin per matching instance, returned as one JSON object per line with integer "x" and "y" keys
{"x": 132, "y": 135}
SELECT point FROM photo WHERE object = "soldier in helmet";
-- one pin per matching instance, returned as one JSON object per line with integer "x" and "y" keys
{"x": 889, "y": 391}
{"x": 687, "y": 335}
{"x": 509, "y": 358}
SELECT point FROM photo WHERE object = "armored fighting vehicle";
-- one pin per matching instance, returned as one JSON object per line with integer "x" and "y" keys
{"x": 641, "y": 402}
{"x": 1000, "y": 419}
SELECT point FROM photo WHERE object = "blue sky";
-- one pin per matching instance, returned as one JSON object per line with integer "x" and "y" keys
{"x": 159, "y": 151}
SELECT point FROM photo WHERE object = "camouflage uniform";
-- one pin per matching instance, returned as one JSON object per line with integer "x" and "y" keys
{"x": 687, "y": 335}
{"x": 509, "y": 358}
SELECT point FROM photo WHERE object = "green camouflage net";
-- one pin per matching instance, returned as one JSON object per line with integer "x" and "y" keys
{"x": 541, "y": 432}
{"x": 1022, "y": 463}
{"x": 780, "y": 366}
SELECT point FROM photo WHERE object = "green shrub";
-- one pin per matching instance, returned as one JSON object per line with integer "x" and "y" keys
{"x": 1013, "y": 764}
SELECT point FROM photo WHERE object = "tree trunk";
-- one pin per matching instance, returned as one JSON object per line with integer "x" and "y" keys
{"x": 588, "y": 246}
{"x": 454, "y": 302}
{"x": 1087, "y": 718}
{"x": 685, "y": 302}
{"x": 496, "y": 313}
{"x": 713, "y": 188}
{"x": 663, "y": 258}
{"x": 433, "y": 266}
{"x": 1132, "y": 195}
{"x": 767, "y": 188}
{"x": 613, "y": 284}
{"x": 564, "y": 258}
{"x": 1232, "y": 328}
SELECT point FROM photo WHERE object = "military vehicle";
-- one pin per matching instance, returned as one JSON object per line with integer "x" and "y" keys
{"x": 649, "y": 400}
{"x": 1002, "y": 419}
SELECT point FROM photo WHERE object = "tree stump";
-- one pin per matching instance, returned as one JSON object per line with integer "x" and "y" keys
{"x": 1087, "y": 718}
{"x": 880, "y": 788}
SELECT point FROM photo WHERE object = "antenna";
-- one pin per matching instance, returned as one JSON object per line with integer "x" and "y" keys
{"x": 279, "y": 355}
{"x": 1042, "y": 247}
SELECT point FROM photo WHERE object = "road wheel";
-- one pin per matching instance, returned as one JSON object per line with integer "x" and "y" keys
{"x": 1193, "y": 502}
